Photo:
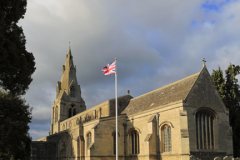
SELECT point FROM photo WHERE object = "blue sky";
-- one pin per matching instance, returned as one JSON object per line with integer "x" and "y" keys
{"x": 156, "y": 43}
{"x": 215, "y": 5}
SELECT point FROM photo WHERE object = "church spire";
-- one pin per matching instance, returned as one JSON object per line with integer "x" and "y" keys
{"x": 68, "y": 86}
{"x": 69, "y": 51}
{"x": 69, "y": 59}
{"x": 68, "y": 101}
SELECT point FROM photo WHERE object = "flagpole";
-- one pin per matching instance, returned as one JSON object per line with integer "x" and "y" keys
{"x": 116, "y": 108}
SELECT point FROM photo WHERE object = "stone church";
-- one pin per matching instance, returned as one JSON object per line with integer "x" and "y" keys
{"x": 174, "y": 122}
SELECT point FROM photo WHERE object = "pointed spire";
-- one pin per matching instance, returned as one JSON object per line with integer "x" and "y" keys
{"x": 69, "y": 60}
{"x": 69, "y": 78}
{"x": 69, "y": 50}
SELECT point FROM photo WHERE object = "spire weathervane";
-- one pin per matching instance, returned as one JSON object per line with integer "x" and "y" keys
{"x": 204, "y": 61}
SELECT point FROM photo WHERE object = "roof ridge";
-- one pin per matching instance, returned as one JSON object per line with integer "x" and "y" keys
{"x": 166, "y": 86}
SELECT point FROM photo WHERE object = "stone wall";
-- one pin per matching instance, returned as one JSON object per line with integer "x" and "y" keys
{"x": 204, "y": 96}
{"x": 192, "y": 157}
{"x": 43, "y": 150}
{"x": 208, "y": 155}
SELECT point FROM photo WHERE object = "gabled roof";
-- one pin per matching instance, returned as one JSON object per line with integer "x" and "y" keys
{"x": 162, "y": 96}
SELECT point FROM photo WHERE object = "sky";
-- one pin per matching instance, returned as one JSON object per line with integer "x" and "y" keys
{"x": 155, "y": 42}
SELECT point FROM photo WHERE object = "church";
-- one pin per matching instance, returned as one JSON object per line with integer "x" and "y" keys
{"x": 185, "y": 118}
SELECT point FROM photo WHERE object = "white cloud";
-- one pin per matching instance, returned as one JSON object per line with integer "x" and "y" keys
{"x": 226, "y": 55}
{"x": 37, "y": 134}
{"x": 42, "y": 113}
{"x": 155, "y": 43}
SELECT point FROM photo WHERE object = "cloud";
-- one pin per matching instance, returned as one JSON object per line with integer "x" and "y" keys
{"x": 37, "y": 134}
{"x": 155, "y": 43}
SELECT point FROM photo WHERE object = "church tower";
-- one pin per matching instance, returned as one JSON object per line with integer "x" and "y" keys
{"x": 68, "y": 96}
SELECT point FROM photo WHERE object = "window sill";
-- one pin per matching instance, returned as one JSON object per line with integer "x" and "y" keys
{"x": 166, "y": 153}
{"x": 134, "y": 155}
{"x": 205, "y": 150}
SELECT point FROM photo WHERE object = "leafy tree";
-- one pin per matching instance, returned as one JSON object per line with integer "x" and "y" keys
{"x": 219, "y": 81}
{"x": 16, "y": 64}
{"x": 228, "y": 88}
{"x": 15, "y": 115}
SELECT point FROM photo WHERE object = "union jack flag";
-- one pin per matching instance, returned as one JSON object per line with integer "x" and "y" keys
{"x": 109, "y": 68}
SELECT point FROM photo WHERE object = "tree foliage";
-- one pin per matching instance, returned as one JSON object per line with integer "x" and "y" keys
{"x": 16, "y": 67}
{"x": 15, "y": 115}
{"x": 16, "y": 64}
{"x": 228, "y": 88}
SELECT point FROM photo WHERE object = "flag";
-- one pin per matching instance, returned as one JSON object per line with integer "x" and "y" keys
{"x": 109, "y": 68}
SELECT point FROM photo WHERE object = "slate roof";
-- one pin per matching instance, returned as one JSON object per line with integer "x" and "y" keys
{"x": 162, "y": 96}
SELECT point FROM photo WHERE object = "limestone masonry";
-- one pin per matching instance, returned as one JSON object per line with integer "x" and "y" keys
{"x": 180, "y": 121}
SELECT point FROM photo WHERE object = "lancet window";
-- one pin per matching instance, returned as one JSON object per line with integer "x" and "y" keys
{"x": 72, "y": 91}
{"x": 72, "y": 111}
{"x": 89, "y": 139}
{"x": 166, "y": 138}
{"x": 134, "y": 136}
{"x": 56, "y": 114}
{"x": 204, "y": 129}
{"x": 114, "y": 142}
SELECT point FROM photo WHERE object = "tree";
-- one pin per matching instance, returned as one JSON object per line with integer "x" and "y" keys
{"x": 228, "y": 88}
{"x": 15, "y": 115}
{"x": 219, "y": 81}
{"x": 16, "y": 64}
{"x": 16, "y": 67}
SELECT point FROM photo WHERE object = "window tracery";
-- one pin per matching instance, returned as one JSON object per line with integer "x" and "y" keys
{"x": 72, "y": 111}
{"x": 134, "y": 136}
{"x": 204, "y": 120}
{"x": 166, "y": 138}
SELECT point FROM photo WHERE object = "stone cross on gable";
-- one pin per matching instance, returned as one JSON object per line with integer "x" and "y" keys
{"x": 204, "y": 61}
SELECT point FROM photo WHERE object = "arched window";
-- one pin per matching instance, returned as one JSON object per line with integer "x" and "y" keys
{"x": 89, "y": 139}
{"x": 72, "y": 91}
{"x": 166, "y": 138}
{"x": 114, "y": 141}
{"x": 134, "y": 136}
{"x": 70, "y": 113}
{"x": 56, "y": 114}
{"x": 204, "y": 129}
{"x": 74, "y": 111}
